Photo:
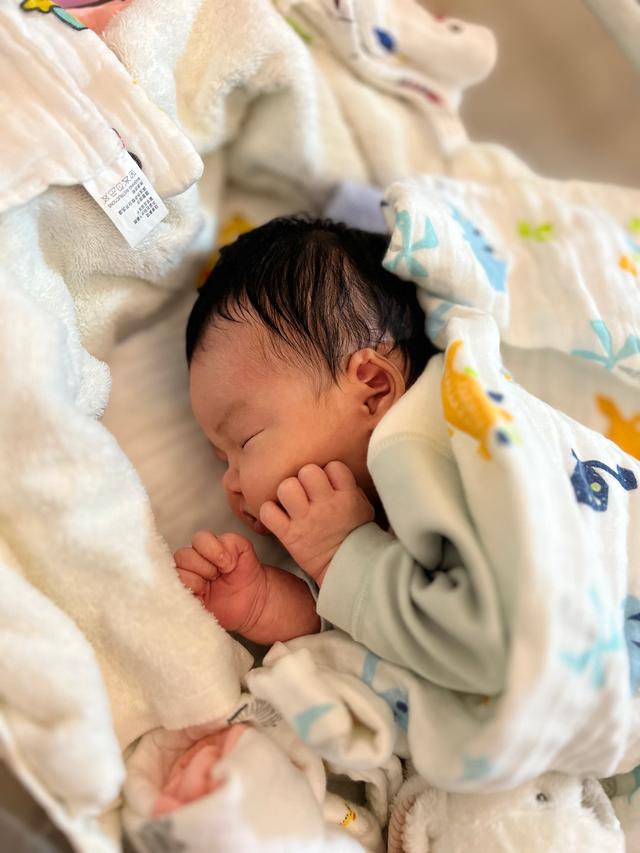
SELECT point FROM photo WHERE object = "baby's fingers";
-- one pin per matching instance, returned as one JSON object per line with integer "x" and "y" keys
{"x": 189, "y": 560}
{"x": 274, "y": 519}
{"x": 195, "y": 583}
{"x": 340, "y": 475}
{"x": 316, "y": 483}
{"x": 292, "y": 497}
{"x": 214, "y": 551}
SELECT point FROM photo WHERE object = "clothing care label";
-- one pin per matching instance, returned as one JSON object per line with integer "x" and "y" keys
{"x": 128, "y": 199}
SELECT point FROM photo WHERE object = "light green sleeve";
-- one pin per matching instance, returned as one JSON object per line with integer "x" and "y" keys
{"x": 424, "y": 598}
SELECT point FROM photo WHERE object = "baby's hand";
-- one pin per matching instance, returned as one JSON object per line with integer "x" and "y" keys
{"x": 225, "y": 573}
{"x": 318, "y": 509}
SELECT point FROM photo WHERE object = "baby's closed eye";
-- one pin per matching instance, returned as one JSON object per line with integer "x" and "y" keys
{"x": 247, "y": 440}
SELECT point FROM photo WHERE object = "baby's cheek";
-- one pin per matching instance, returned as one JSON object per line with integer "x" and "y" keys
{"x": 259, "y": 484}
{"x": 235, "y": 503}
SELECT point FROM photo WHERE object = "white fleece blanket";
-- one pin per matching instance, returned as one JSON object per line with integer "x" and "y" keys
{"x": 233, "y": 83}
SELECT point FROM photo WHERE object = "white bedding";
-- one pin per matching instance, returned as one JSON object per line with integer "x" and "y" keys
{"x": 91, "y": 511}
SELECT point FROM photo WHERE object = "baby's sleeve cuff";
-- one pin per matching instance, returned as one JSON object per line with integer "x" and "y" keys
{"x": 345, "y": 582}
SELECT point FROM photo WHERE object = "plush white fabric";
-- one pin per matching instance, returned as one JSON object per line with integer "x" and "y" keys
{"x": 76, "y": 521}
{"x": 552, "y": 814}
{"x": 56, "y": 730}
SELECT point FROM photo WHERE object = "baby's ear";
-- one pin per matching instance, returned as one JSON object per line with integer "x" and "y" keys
{"x": 375, "y": 380}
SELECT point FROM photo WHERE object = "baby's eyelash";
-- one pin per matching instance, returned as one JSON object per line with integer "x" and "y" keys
{"x": 249, "y": 439}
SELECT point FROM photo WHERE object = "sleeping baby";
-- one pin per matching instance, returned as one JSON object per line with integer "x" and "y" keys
{"x": 303, "y": 353}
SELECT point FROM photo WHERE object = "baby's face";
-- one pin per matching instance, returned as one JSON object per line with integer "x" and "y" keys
{"x": 265, "y": 420}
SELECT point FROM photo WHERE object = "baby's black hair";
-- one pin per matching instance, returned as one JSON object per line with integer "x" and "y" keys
{"x": 320, "y": 289}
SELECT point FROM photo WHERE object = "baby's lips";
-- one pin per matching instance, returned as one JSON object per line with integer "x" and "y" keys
{"x": 259, "y": 527}
{"x": 254, "y": 523}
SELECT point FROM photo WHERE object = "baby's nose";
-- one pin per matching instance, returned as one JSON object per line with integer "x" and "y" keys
{"x": 230, "y": 481}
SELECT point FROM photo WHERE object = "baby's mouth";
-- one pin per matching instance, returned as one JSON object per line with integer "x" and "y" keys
{"x": 254, "y": 523}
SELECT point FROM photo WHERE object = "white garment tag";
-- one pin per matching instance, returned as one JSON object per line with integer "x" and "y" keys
{"x": 128, "y": 199}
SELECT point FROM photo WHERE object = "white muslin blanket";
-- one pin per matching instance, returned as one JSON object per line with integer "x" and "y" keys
{"x": 556, "y": 505}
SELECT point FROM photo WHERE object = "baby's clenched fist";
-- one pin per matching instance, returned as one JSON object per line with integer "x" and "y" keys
{"x": 225, "y": 573}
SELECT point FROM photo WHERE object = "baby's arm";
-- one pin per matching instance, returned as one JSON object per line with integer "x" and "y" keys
{"x": 439, "y": 623}
{"x": 261, "y": 602}
{"x": 440, "y": 619}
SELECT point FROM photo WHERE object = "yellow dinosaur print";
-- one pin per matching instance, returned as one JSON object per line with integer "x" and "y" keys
{"x": 40, "y": 5}
{"x": 466, "y": 404}
{"x": 230, "y": 230}
{"x": 349, "y": 817}
{"x": 628, "y": 265}
{"x": 625, "y": 432}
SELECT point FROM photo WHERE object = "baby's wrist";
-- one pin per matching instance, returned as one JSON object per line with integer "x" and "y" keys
{"x": 251, "y": 624}
{"x": 319, "y": 575}
{"x": 286, "y": 610}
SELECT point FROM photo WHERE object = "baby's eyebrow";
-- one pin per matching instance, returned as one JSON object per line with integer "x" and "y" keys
{"x": 231, "y": 411}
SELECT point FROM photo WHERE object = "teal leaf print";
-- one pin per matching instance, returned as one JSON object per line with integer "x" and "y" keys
{"x": 405, "y": 253}
{"x": 608, "y": 639}
{"x": 396, "y": 697}
{"x": 475, "y": 768}
{"x": 305, "y": 720}
{"x": 631, "y": 608}
{"x": 610, "y": 358}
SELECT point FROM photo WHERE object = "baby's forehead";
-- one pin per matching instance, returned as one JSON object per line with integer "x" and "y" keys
{"x": 240, "y": 356}
{"x": 227, "y": 342}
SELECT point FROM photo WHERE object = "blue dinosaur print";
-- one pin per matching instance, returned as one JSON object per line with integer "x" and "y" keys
{"x": 494, "y": 268}
{"x": 304, "y": 721}
{"x": 607, "y": 641}
{"x": 405, "y": 253}
{"x": 385, "y": 38}
{"x": 631, "y": 609}
{"x": 610, "y": 358}
{"x": 592, "y": 489}
{"x": 475, "y": 768}
{"x": 396, "y": 698}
